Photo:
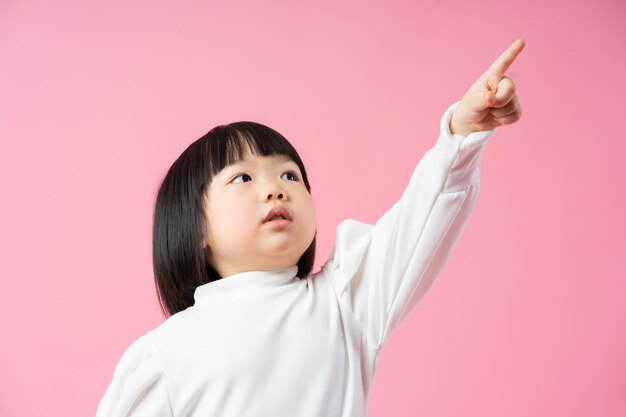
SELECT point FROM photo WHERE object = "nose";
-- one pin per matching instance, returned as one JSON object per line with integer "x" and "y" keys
{"x": 274, "y": 192}
{"x": 278, "y": 195}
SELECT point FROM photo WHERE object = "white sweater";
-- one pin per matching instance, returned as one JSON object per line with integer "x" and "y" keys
{"x": 266, "y": 343}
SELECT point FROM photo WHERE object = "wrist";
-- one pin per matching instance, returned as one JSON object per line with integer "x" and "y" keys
{"x": 456, "y": 130}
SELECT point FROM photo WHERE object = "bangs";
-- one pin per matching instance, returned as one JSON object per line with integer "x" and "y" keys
{"x": 234, "y": 141}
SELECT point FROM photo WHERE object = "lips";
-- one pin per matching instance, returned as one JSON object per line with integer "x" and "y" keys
{"x": 277, "y": 211}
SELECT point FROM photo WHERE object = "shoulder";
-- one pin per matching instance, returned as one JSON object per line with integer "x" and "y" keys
{"x": 139, "y": 353}
{"x": 139, "y": 385}
{"x": 351, "y": 240}
{"x": 174, "y": 326}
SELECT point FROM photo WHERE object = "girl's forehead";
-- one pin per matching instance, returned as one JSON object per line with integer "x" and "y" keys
{"x": 250, "y": 158}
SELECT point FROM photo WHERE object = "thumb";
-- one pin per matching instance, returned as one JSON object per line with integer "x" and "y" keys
{"x": 481, "y": 101}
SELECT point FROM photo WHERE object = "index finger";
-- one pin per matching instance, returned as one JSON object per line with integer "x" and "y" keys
{"x": 505, "y": 60}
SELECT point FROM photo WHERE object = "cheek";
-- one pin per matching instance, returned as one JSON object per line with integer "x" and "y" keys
{"x": 233, "y": 215}
{"x": 309, "y": 210}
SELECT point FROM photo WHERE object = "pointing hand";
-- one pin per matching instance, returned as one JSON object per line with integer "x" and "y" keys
{"x": 491, "y": 101}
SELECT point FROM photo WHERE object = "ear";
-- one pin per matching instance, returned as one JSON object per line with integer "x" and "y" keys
{"x": 205, "y": 245}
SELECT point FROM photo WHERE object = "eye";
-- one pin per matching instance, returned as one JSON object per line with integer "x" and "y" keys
{"x": 241, "y": 175}
{"x": 293, "y": 174}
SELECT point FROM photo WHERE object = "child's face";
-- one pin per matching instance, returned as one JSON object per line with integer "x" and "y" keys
{"x": 239, "y": 198}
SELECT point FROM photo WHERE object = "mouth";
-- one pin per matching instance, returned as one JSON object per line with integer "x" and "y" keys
{"x": 278, "y": 214}
{"x": 277, "y": 224}
{"x": 276, "y": 218}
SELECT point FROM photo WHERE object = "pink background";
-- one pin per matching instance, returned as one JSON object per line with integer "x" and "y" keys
{"x": 97, "y": 100}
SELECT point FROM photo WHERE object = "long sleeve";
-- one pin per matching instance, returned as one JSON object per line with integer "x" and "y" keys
{"x": 139, "y": 387}
{"x": 381, "y": 272}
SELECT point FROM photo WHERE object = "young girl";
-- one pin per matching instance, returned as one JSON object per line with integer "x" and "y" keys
{"x": 252, "y": 332}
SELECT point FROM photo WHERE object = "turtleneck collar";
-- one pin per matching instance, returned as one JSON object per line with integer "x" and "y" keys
{"x": 230, "y": 287}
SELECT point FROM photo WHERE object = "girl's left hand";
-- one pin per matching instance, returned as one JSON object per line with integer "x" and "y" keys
{"x": 491, "y": 101}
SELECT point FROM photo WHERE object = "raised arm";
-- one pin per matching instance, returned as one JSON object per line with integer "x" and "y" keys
{"x": 381, "y": 272}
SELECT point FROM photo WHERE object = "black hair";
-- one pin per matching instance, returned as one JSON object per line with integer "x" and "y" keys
{"x": 178, "y": 258}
